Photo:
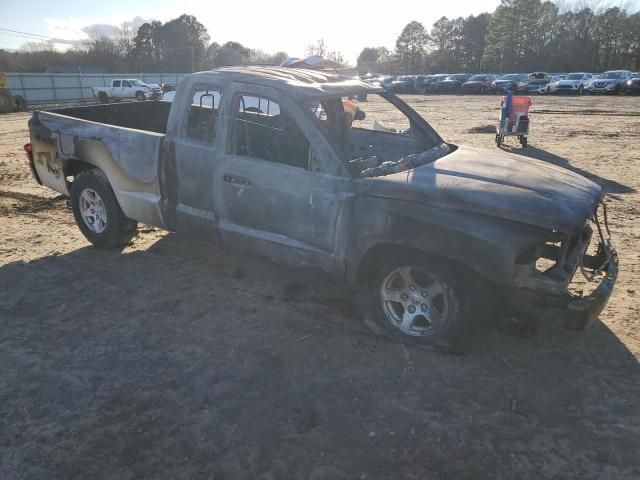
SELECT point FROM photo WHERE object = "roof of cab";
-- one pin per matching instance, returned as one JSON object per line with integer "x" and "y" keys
{"x": 299, "y": 83}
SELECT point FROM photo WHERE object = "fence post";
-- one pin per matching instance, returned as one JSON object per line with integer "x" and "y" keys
{"x": 53, "y": 87}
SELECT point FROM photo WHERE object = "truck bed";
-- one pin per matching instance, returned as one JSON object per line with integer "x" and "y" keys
{"x": 149, "y": 116}
{"x": 124, "y": 140}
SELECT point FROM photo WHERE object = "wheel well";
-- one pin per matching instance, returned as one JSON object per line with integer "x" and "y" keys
{"x": 378, "y": 253}
{"x": 74, "y": 166}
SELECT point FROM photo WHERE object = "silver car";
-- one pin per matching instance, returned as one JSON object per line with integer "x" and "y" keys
{"x": 574, "y": 83}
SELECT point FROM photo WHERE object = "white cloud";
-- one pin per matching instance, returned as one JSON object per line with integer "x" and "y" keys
{"x": 71, "y": 31}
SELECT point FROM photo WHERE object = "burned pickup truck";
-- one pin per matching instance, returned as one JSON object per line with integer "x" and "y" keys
{"x": 281, "y": 161}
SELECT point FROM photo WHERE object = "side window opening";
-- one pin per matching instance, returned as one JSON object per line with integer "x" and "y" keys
{"x": 126, "y": 84}
{"x": 203, "y": 113}
{"x": 116, "y": 83}
{"x": 261, "y": 129}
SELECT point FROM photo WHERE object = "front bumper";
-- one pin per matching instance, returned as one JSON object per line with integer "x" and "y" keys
{"x": 582, "y": 312}
{"x": 575, "y": 310}
{"x": 609, "y": 88}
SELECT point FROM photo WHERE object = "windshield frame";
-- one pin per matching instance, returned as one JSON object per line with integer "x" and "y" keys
{"x": 336, "y": 133}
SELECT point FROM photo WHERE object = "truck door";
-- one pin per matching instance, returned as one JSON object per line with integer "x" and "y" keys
{"x": 127, "y": 89}
{"x": 195, "y": 147}
{"x": 116, "y": 87}
{"x": 269, "y": 184}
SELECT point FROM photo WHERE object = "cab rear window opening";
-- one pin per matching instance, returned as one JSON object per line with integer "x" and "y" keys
{"x": 202, "y": 114}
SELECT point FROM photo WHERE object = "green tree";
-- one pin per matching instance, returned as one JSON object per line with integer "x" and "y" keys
{"x": 411, "y": 47}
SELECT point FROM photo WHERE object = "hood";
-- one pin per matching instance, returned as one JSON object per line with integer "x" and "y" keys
{"x": 569, "y": 82}
{"x": 498, "y": 184}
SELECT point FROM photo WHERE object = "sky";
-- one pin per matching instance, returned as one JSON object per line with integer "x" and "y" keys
{"x": 269, "y": 25}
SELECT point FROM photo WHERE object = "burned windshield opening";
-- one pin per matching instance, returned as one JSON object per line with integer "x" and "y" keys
{"x": 377, "y": 134}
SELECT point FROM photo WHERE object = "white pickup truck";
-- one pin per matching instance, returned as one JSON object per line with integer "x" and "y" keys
{"x": 127, "y": 88}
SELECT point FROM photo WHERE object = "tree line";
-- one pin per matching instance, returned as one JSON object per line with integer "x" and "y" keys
{"x": 519, "y": 36}
{"x": 180, "y": 45}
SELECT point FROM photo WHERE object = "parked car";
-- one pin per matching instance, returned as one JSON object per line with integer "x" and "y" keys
{"x": 574, "y": 83}
{"x": 385, "y": 81}
{"x": 122, "y": 88}
{"x": 422, "y": 83}
{"x": 478, "y": 84}
{"x": 633, "y": 84}
{"x": 403, "y": 84}
{"x": 435, "y": 80}
{"x": 537, "y": 82}
{"x": 451, "y": 84}
{"x": 511, "y": 82}
{"x": 270, "y": 163}
{"x": 612, "y": 81}
{"x": 552, "y": 86}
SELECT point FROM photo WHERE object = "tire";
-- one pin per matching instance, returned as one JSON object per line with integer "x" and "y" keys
{"x": 97, "y": 212}
{"x": 20, "y": 103}
{"x": 523, "y": 142}
{"x": 7, "y": 104}
{"x": 399, "y": 310}
{"x": 140, "y": 96}
{"x": 103, "y": 97}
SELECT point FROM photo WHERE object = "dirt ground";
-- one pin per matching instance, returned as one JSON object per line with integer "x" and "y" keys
{"x": 177, "y": 359}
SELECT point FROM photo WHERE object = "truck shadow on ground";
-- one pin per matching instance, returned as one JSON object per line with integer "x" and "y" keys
{"x": 185, "y": 359}
{"x": 609, "y": 186}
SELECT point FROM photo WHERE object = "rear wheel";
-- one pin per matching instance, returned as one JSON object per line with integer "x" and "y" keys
{"x": 7, "y": 104}
{"x": 20, "y": 103}
{"x": 102, "y": 96}
{"x": 97, "y": 212}
{"x": 420, "y": 300}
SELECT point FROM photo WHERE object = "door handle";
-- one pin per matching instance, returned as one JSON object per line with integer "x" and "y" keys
{"x": 235, "y": 180}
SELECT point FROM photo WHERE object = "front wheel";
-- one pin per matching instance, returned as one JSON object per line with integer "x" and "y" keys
{"x": 140, "y": 96}
{"x": 97, "y": 212}
{"x": 580, "y": 90}
{"x": 416, "y": 299}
